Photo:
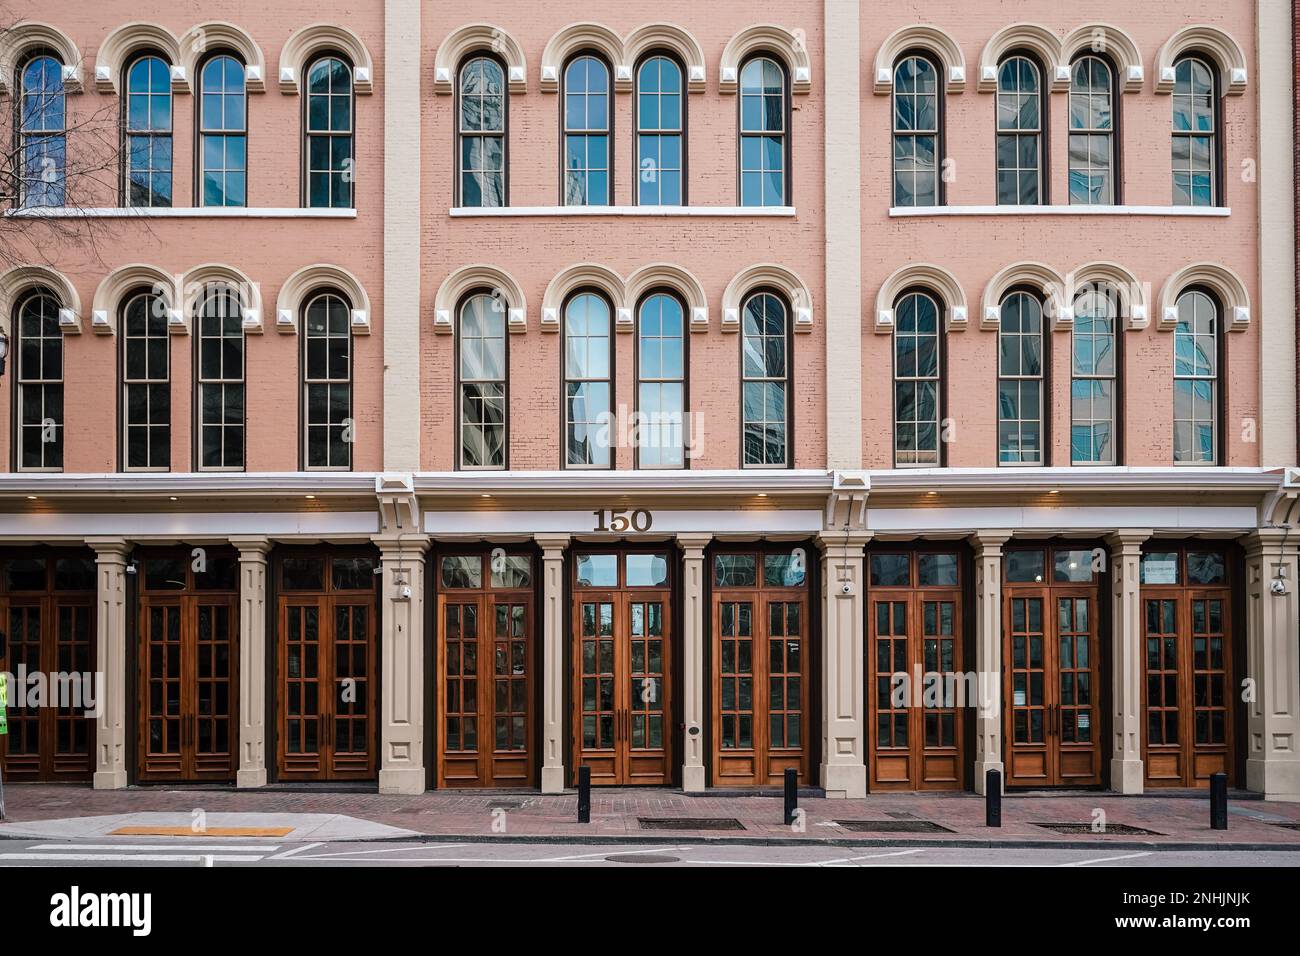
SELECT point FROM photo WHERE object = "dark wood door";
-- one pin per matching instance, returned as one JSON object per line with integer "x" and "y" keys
{"x": 187, "y": 679}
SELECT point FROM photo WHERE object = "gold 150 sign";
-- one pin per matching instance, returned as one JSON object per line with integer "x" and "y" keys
{"x": 609, "y": 519}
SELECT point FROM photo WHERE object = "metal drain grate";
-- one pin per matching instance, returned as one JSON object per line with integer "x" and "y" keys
{"x": 642, "y": 858}
{"x": 1122, "y": 829}
{"x": 689, "y": 823}
{"x": 892, "y": 826}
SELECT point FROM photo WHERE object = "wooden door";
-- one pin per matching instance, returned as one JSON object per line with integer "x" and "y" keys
{"x": 23, "y": 751}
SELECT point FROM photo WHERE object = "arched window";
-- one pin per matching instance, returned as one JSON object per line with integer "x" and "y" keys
{"x": 763, "y": 168}
{"x": 765, "y": 381}
{"x": 148, "y": 133}
{"x": 1196, "y": 379}
{"x": 1195, "y": 146}
{"x": 220, "y": 344}
{"x": 327, "y": 383}
{"x": 39, "y": 383}
{"x": 1092, "y": 129}
{"x": 917, "y": 384}
{"x": 661, "y": 381}
{"x": 223, "y": 133}
{"x": 331, "y": 168}
{"x": 1020, "y": 380}
{"x": 482, "y": 125}
{"x": 146, "y": 384}
{"x": 916, "y": 132}
{"x": 588, "y": 379}
{"x": 1020, "y": 133}
{"x": 42, "y": 133}
{"x": 1094, "y": 357}
{"x": 482, "y": 376}
{"x": 587, "y": 122}
{"x": 660, "y": 125}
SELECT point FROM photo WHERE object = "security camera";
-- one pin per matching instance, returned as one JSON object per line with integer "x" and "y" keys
{"x": 846, "y": 588}
{"x": 1278, "y": 586}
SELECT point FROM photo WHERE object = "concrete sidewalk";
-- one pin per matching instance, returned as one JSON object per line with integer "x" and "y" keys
{"x": 1169, "y": 820}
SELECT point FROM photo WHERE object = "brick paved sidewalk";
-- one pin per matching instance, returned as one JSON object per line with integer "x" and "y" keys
{"x": 1172, "y": 820}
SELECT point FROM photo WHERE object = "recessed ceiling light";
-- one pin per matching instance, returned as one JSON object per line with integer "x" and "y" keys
{"x": 1055, "y": 491}
{"x": 762, "y": 494}
{"x": 172, "y": 498}
{"x": 310, "y": 497}
{"x": 31, "y": 497}
{"x": 485, "y": 496}
{"x": 932, "y": 494}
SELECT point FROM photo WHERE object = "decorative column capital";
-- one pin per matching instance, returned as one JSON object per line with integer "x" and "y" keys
{"x": 406, "y": 545}
{"x": 552, "y": 545}
{"x": 988, "y": 543}
{"x": 109, "y": 550}
{"x": 252, "y": 548}
{"x": 843, "y": 543}
{"x": 693, "y": 544}
{"x": 1128, "y": 540}
{"x": 1279, "y": 541}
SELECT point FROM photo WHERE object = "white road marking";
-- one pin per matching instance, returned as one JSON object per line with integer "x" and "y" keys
{"x": 610, "y": 852}
{"x": 1105, "y": 859}
{"x": 364, "y": 850}
{"x": 153, "y": 846}
{"x": 296, "y": 850}
{"x": 870, "y": 856}
{"x": 121, "y": 857}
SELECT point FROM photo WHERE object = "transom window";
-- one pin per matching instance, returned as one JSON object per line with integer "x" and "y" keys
{"x": 482, "y": 125}
{"x": 327, "y": 383}
{"x": 146, "y": 384}
{"x": 587, "y": 124}
{"x": 763, "y": 180}
{"x": 1020, "y": 133}
{"x": 40, "y": 383}
{"x": 916, "y": 380}
{"x": 916, "y": 133}
{"x": 659, "y": 122}
{"x": 482, "y": 374}
{"x": 587, "y": 382}
{"x": 1194, "y": 146}
{"x": 148, "y": 133}
{"x": 1092, "y": 383}
{"x": 223, "y": 133}
{"x": 1020, "y": 380}
{"x": 221, "y": 379}
{"x": 1092, "y": 156}
{"x": 765, "y": 380}
{"x": 42, "y": 134}
{"x": 1196, "y": 379}
{"x": 661, "y": 382}
{"x": 330, "y": 163}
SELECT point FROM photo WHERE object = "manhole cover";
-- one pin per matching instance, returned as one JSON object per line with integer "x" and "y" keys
{"x": 642, "y": 858}
{"x": 689, "y": 823}
{"x": 892, "y": 826}
{"x": 1123, "y": 829}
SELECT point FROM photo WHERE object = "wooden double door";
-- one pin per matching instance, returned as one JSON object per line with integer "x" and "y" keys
{"x": 187, "y": 666}
{"x": 486, "y": 659}
{"x": 622, "y": 658}
{"x": 759, "y": 666}
{"x": 327, "y": 666}
{"x": 1051, "y": 664}
{"x": 47, "y": 645}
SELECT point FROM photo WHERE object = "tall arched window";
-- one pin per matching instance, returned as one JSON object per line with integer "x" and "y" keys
{"x": 148, "y": 124}
{"x": 1020, "y": 133}
{"x": 917, "y": 385}
{"x": 146, "y": 384}
{"x": 765, "y": 382}
{"x": 661, "y": 381}
{"x": 1195, "y": 146}
{"x": 1094, "y": 357}
{"x": 916, "y": 132}
{"x": 1092, "y": 129}
{"x": 42, "y": 133}
{"x": 39, "y": 383}
{"x": 481, "y": 373}
{"x": 220, "y": 344}
{"x": 223, "y": 133}
{"x": 482, "y": 126}
{"x": 1196, "y": 379}
{"x": 763, "y": 169}
{"x": 327, "y": 383}
{"x": 331, "y": 168}
{"x": 588, "y": 380}
{"x": 660, "y": 126}
{"x": 1020, "y": 380}
{"x": 587, "y": 122}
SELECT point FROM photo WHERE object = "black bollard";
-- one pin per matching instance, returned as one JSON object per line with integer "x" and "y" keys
{"x": 1218, "y": 801}
{"x": 993, "y": 798}
{"x": 791, "y": 794}
{"x": 584, "y": 794}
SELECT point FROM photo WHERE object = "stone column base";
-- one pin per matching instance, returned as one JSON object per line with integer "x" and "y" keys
{"x": 843, "y": 782}
{"x": 1275, "y": 779}
{"x": 404, "y": 780}
{"x": 1126, "y": 776}
{"x": 110, "y": 780}
{"x": 693, "y": 779}
{"x": 552, "y": 780}
{"x": 982, "y": 768}
{"x": 248, "y": 779}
